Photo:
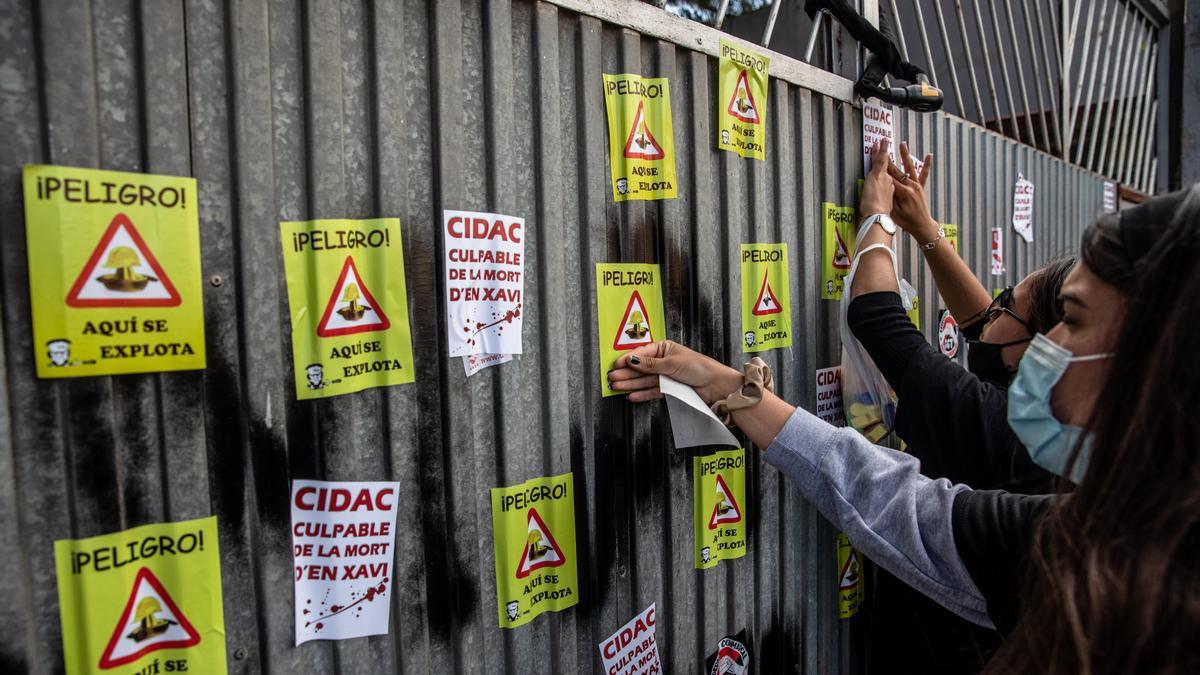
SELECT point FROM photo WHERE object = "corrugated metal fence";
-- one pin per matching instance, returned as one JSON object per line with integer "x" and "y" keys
{"x": 292, "y": 111}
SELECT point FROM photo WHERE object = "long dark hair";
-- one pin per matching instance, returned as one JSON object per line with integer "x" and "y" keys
{"x": 1113, "y": 579}
{"x": 1045, "y": 307}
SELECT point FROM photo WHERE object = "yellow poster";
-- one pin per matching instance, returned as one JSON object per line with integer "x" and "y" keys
{"x": 719, "y": 495}
{"x": 742, "y": 101}
{"x": 951, "y": 235}
{"x": 641, "y": 142}
{"x": 914, "y": 314}
{"x": 840, "y": 227}
{"x": 349, "y": 305}
{"x": 850, "y": 579}
{"x": 114, "y": 271}
{"x": 629, "y": 310}
{"x": 766, "y": 311}
{"x": 533, "y": 534}
{"x": 144, "y": 600}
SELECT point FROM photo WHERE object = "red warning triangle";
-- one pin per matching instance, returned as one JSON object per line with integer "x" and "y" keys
{"x": 726, "y": 509}
{"x": 742, "y": 105}
{"x": 351, "y": 309}
{"x": 767, "y": 303}
{"x": 160, "y": 624}
{"x": 540, "y": 549}
{"x": 641, "y": 143}
{"x": 122, "y": 272}
{"x": 632, "y": 333}
{"x": 849, "y": 575}
{"x": 841, "y": 252}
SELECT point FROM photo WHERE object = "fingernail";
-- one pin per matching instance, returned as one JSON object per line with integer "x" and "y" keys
{"x": 634, "y": 360}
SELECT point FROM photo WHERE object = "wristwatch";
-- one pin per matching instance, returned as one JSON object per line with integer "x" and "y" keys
{"x": 885, "y": 221}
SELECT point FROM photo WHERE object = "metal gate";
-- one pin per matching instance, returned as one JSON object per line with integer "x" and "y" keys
{"x": 292, "y": 111}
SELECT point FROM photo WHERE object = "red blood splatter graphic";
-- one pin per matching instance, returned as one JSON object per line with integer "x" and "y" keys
{"x": 508, "y": 317}
{"x": 372, "y": 593}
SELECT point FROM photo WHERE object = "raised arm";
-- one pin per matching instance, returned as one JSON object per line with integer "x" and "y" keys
{"x": 965, "y": 297}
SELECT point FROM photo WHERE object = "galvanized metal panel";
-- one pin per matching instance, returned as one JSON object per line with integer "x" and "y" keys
{"x": 403, "y": 108}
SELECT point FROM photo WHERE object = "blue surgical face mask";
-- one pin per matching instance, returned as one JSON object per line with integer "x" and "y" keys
{"x": 1048, "y": 441}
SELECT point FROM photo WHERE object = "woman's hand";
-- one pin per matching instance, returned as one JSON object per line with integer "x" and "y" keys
{"x": 637, "y": 372}
{"x": 911, "y": 208}
{"x": 878, "y": 185}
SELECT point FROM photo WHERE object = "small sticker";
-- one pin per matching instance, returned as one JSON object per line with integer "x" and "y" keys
{"x": 947, "y": 334}
{"x": 840, "y": 227}
{"x": 719, "y": 489}
{"x": 1110, "y": 197}
{"x": 766, "y": 311}
{"x": 533, "y": 534}
{"x": 732, "y": 656}
{"x": 640, "y": 137}
{"x": 474, "y": 364}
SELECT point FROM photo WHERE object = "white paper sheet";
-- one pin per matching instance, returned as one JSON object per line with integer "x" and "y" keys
{"x": 692, "y": 423}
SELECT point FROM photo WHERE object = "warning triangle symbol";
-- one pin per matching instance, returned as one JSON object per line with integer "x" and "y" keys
{"x": 151, "y": 621}
{"x": 634, "y": 329}
{"x": 122, "y": 272}
{"x": 742, "y": 105}
{"x": 540, "y": 549}
{"x": 767, "y": 303}
{"x": 641, "y": 143}
{"x": 850, "y": 575}
{"x": 351, "y": 308}
{"x": 841, "y": 252}
{"x": 726, "y": 509}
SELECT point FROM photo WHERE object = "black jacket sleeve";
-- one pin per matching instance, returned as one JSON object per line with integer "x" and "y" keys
{"x": 993, "y": 531}
{"x": 955, "y": 423}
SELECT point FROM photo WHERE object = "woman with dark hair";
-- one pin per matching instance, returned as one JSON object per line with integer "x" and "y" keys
{"x": 1105, "y": 579}
{"x": 951, "y": 419}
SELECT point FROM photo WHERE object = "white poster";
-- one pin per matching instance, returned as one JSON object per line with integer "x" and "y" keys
{"x": 343, "y": 534}
{"x": 1023, "y": 208}
{"x": 485, "y": 282}
{"x": 997, "y": 251}
{"x": 829, "y": 396}
{"x": 633, "y": 650}
{"x": 877, "y": 125}
{"x": 1110, "y": 197}
{"x": 473, "y": 364}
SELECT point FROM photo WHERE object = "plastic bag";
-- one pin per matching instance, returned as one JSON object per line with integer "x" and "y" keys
{"x": 868, "y": 399}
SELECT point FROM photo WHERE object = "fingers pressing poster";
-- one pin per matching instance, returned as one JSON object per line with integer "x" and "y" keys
{"x": 641, "y": 141}
{"x": 114, "y": 272}
{"x": 349, "y": 305}
{"x": 142, "y": 600}
{"x": 766, "y": 310}
{"x": 743, "y": 101}
{"x": 877, "y": 126}
{"x": 629, "y": 311}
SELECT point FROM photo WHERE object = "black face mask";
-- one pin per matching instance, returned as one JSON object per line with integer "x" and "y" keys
{"x": 985, "y": 362}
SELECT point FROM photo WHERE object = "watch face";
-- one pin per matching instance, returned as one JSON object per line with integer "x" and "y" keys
{"x": 887, "y": 224}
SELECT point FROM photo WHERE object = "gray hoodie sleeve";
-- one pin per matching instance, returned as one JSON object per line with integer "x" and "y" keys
{"x": 878, "y": 497}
